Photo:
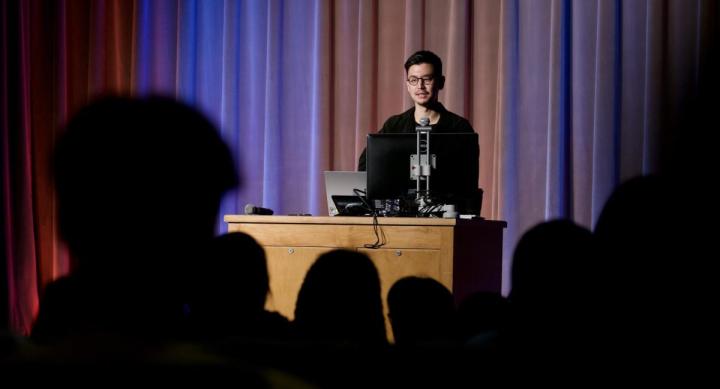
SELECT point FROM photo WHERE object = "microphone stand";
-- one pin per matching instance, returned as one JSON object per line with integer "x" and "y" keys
{"x": 421, "y": 164}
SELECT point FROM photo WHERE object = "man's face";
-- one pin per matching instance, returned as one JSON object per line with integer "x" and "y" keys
{"x": 425, "y": 89}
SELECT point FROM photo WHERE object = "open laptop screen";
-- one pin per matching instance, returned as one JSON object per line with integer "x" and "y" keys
{"x": 342, "y": 184}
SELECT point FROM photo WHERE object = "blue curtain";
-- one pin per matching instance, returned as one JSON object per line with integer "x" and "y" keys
{"x": 569, "y": 98}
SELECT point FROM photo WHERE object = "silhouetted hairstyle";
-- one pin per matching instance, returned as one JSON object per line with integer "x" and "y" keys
{"x": 550, "y": 263}
{"x": 421, "y": 310}
{"x": 132, "y": 159}
{"x": 340, "y": 301}
{"x": 231, "y": 287}
{"x": 552, "y": 290}
{"x": 139, "y": 183}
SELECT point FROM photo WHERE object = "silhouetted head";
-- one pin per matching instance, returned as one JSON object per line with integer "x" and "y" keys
{"x": 340, "y": 300}
{"x": 551, "y": 264}
{"x": 230, "y": 286}
{"x": 421, "y": 310}
{"x": 642, "y": 240}
{"x": 641, "y": 237}
{"x": 233, "y": 275}
{"x": 553, "y": 289}
{"x": 652, "y": 270}
{"x": 637, "y": 220}
{"x": 139, "y": 178}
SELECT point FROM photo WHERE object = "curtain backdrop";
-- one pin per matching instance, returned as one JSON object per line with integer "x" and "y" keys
{"x": 568, "y": 97}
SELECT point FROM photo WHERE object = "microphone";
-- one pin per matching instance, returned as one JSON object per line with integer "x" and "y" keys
{"x": 424, "y": 125}
{"x": 250, "y": 209}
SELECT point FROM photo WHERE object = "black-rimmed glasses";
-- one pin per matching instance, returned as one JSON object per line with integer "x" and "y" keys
{"x": 425, "y": 80}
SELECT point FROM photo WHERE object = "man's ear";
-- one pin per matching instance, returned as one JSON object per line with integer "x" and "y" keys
{"x": 441, "y": 82}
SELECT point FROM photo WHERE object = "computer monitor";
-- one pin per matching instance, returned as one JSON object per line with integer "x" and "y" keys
{"x": 454, "y": 180}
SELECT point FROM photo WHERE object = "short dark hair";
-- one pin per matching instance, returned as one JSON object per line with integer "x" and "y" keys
{"x": 425, "y": 56}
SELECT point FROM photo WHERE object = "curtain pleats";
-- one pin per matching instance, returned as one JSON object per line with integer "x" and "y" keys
{"x": 568, "y": 97}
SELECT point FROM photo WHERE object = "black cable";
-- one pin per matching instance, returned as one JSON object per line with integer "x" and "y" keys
{"x": 380, "y": 239}
{"x": 363, "y": 198}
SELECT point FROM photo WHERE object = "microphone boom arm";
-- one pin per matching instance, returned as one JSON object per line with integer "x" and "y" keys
{"x": 423, "y": 162}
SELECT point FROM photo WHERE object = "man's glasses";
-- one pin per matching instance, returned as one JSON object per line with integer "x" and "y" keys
{"x": 425, "y": 80}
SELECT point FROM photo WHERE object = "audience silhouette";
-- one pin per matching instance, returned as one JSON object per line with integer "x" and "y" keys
{"x": 339, "y": 301}
{"x": 551, "y": 296}
{"x": 421, "y": 312}
{"x": 231, "y": 286}
{"x": 139, "y": 183}
{"x": 648, "y": 305}
{"x": 481, "y": 317}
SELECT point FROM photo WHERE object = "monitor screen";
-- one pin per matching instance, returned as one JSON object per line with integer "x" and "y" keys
{"x": 453, "y": 180}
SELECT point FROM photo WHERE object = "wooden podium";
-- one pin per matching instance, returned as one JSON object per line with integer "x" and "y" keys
{"x": 464, "y": 255}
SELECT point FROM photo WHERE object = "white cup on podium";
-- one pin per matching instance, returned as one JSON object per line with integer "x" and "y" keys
{"x": 449, "y": 212}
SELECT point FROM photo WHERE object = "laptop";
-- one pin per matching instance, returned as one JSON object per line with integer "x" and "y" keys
{"x": 339, "y": 190}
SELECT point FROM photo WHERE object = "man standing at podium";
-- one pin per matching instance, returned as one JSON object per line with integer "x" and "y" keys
{"x": 424, "y": 81}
